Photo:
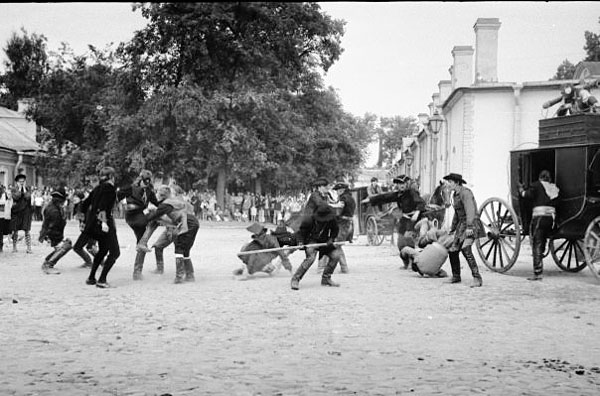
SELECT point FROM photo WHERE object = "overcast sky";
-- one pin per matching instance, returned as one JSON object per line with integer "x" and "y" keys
{"x": 395, "y": 52}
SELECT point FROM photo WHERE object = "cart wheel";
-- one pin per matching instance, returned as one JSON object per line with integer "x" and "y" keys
{"x": 500, "y": 249}
{"x": 373, "y": 237}
{"x": 591, "y": 247}
{"x": 568, "y": 253}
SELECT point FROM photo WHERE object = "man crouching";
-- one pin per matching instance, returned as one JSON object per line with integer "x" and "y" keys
{"x": 261, "y": 262}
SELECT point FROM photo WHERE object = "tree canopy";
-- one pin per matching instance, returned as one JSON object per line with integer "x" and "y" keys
{"x": 217, "y": 95}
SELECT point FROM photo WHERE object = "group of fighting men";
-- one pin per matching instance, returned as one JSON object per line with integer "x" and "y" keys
{"x": 145, "y": 211}
{"x": 325, "y": 225}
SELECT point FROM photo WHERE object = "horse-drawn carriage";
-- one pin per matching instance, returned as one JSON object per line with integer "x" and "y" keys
{"x": 569, "y": 147}
{"x": 377, "y": 223}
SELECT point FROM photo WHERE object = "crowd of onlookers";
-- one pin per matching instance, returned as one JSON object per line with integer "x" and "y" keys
{"x": 241, "y": 207}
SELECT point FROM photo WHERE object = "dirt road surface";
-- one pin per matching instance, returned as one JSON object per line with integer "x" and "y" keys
{"x": 385, "y": 331}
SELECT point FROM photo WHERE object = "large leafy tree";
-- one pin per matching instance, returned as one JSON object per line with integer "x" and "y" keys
{"x": 246, "y": 61}
{"x": 391, "y": 132}
{"x": 26, "y": 65}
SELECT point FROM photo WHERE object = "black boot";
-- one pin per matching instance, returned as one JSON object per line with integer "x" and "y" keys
{"x": 299, "y": 274}
{"x": 189, "y": 270}
{"x": 455, "y": 266}
{"x": 160, "y": 261}
{"x": 468, "y": 254}
{"x": 28, "y": 241}
{"x": 327, "y": 272}
{"x": 179, "y": 270}
{"x": 138, "y": 265}
{"x": 538, "y": 245}
{"x": 87, "y": 259}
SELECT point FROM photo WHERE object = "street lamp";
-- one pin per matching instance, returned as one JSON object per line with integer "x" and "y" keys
{"x": 409, "y": 160}
{"x": 435, "y": 124}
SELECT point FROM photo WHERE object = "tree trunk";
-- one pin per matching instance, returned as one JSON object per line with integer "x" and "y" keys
{"x": 380, "y": 152}
{"x": 221, "y": 183}
{"x": 257, "y": 186}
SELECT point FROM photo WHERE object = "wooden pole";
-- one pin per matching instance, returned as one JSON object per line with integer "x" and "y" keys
{"x": 312, "y": 245}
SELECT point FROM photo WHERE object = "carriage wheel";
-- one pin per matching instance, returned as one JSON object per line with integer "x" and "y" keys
{"x": 373, "y": 236}
{"x": 500, "y": 249}
{"x": 568, "y": 253}
{"x": 591, "y": 247}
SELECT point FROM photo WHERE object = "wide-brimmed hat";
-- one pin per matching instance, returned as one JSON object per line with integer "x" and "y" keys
{"x": 20, "y": 177}
{"x": 455, "y": 177}
{"x": 401, "y": 179}
{"x": 320, "y": 182}
{"x": 324, "y": 213}
{"x": 256, "y": 228}
{"x": 59, "y": 193}
{"x": 339, "y": 186}
{"x": 374, "y": 179}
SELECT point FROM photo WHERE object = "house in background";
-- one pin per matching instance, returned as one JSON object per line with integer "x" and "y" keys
{"x": 18, "y": 146}
{"x": 474, "y": 121}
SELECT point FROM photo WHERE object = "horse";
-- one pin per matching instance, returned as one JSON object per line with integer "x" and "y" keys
{"x": 439, "y": 206}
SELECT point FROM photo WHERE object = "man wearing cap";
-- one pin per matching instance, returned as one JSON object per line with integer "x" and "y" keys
{"x": 411, "y": 205}
{"x": 466, "y": 227}
{"x": 321, "y": 227}
{"x": 261, "y": 262}
{"x": 345, "y": 220}
{"x": 317, "y": 197}
{"x": 53, "y": 228}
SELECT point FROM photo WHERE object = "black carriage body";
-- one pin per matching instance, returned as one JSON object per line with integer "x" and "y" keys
{"x": 370, "y": 220}
{"x": 569, "y": 147}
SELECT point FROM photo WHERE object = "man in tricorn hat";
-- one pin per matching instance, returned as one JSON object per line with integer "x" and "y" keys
{"x": 410, "y": 204}
{"x": 261, "y": 262}
{"x": 53, "y": 228}
{"x": 321, "y": 227}
{"x": 466, "y": 227}
{"x": 21, "y": 212}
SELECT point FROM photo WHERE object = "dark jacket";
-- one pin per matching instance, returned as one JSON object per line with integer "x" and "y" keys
{"x": 537, "y": 194}
{"x": 101, "y": 202}
{"x": 313, "y": 231}
{"x": 349, "y": 204}
{"x": 408, "y": 200}
{"x": 314, "y": 200}
{"x": 54, "y": 223}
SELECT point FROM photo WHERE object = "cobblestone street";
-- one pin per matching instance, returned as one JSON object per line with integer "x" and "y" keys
{"x": 385, "y": 331}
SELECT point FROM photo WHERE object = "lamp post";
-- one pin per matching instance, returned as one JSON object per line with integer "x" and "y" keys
{"x": 409, "y": 160}
{"x": 435, "y": 124}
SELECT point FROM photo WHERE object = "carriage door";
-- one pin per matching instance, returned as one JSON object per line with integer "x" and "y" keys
{"x": 570, "y": 178}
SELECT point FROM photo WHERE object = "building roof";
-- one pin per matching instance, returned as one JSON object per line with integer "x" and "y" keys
{"x": 587, "y": 70}
{"x": 11, "y": 136}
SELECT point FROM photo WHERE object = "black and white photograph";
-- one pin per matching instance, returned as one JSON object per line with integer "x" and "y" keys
{"x": 300, "y": 198}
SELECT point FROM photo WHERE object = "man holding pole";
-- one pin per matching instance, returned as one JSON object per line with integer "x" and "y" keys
{"x": 320, "y": 227}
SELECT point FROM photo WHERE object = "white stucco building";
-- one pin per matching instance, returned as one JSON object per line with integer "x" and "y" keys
{"x": 483, "y": 120}
{"x": 18, "y": 146}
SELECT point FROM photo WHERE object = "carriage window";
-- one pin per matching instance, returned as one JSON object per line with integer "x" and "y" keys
{"x": 594, "y": 174}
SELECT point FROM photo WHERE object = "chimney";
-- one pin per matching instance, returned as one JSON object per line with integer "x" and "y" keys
{"x": 486, "y": 45}
{"x": 462, "y": 69}
{"x": 445, "y": 88}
